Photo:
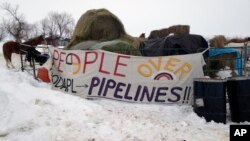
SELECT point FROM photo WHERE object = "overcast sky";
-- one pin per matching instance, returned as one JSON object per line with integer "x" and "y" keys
{"x": 205, "y": 17}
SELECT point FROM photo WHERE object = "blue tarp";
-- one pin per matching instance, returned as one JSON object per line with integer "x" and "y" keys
{"x": 218, "y": 51}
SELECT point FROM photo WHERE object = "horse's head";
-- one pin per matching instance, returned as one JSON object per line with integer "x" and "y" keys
{"x": 142, "y": 35}
{"x": 36, "y": 41}
{"x": 41, "y": 40}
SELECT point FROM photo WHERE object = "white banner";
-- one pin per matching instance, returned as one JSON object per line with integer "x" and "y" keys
{"x": 98, "y": 73}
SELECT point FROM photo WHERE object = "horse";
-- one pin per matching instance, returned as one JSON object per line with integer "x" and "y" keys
{"x": 14, "y": 47}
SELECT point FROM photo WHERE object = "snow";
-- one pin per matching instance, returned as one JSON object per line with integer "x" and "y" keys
{"x": 224, "y": 73}
{"x": 31, "y": 111}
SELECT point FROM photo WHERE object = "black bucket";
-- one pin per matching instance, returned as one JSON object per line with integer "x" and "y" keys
{"x": 238, "y": 90}
{"x": 210, "y": 99}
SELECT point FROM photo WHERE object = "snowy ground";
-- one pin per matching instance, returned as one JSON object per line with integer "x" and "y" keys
{"x": 31, "y": 111}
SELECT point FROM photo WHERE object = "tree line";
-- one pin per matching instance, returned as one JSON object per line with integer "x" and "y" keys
{"x": 14, "y": 24}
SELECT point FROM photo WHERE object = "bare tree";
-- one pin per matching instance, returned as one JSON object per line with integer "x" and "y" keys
{"x": 43, "y": 26}
{"x": 32, "y": 30}
{"x": 15, "y": 23}
{"x": 51, "y": 25}
{"x": 58, "y": 24}
{"x": 64, "y": 23}
{"x": 2, "y": 33}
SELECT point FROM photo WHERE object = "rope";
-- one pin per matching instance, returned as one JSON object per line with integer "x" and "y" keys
{"x": 26, "y": 45}
{"x": 205, "y": 50}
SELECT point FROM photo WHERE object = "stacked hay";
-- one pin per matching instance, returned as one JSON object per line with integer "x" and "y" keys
{"x": 222, "y": 41}
{"x": 179, "y": 29}
{"x": 239, "y": 40}
{"x": 218, "y": 41}
{"x": 159, "y": 33}
{"x": 100, "y": 25}
{"x": 175, "y": 29}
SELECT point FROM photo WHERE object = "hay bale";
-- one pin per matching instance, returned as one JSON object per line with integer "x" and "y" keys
{"x": 218, "y": 41}
{"x": 97, "y": 24}
{"x": 179, "y": 29}
{"x": 175, "y": 29}
{"x": 239, "y": 40}
{"x": 100, "y": 25}
{"x": 159, "y": 33}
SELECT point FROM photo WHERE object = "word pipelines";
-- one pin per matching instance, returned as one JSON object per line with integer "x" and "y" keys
{"x": 121, "y": 91}
{"x": 109, "y": 88}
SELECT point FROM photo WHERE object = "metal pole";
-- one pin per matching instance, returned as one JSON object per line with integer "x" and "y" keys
{"x": 33, "y": 65}
{"x": 21, "y": 56}
{"x": 245, "y": 59}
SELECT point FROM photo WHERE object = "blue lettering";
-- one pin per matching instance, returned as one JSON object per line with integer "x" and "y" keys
{"x": 146, "y": 92}
{"x": 160, "y": 92}
{"x": 173, "y": 92}
{"x": 118, "y": 89}
{"x": 127, "y": 92}
{"x": 101, "y": 86}
{"x": 137, "y": 94}
{"x": 94, "y": 82}
{"x": 110, "y": 85}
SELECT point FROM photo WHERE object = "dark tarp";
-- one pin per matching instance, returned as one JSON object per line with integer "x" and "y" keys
{"x": 33, "y": 53}
{"x": 174, "y": 45}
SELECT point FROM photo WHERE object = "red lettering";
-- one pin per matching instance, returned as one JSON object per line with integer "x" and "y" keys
{"x": 60, "y": 60}
{"x": 101, "y": 65}
{"x": 118, "y": 63}
{"x": 54, "y": 56}
{"x": 86, "y": 61}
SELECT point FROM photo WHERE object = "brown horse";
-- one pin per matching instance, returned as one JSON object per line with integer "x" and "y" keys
{"x": 14, "y": 47}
